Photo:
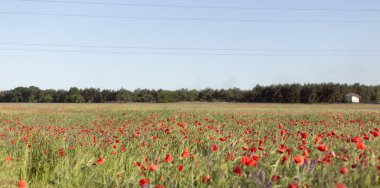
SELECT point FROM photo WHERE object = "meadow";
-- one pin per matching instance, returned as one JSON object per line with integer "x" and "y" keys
{"x": 189, "y": 145}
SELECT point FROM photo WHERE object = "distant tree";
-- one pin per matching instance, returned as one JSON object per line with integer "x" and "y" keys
{"x": 295, "y": 93}
{"x": 308, "y": 94}
{"x": 3, "y": 96}
{"x": 165, "y": 96}
{"x": 74, "y": 96}
{"x": 207, "y": 95}
{"x": 34, "y": 93}
{"x": 107, "y": 96}
{"x": 326, "y": 93}
{"x": 144, "y": 95}
{"x": 277, "y": 93}
{"x": 24, "y": 94}
{"x": 281, "y": 93}
{"x": 91, "y": 95}
{"x": 19, "y": 94}
{"x": 285, "y": 93}
{"x": 257, "y": 94}
{"x": 377, "y": 95}
{"x": 60, "y": 96}
{"x": 47, "y": 96}
{"x": 182, "y": 94}
{"x": 192, "y": 95}
{"x": 124, "y": 95}
{"x": 268, "y": 94}
{"x": 222, "y": 95}
{"x": 344, "y": 89}
{"x": 234, "y": 95}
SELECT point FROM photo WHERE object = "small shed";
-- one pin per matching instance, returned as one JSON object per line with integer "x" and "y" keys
{"x": 352, "y": 98}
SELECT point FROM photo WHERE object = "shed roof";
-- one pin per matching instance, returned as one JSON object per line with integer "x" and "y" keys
{"x": 353, "y": 95}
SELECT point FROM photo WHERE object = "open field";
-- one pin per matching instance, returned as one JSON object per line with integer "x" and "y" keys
{"x": 189, "y": 145}
{"x": 194, "y": 106}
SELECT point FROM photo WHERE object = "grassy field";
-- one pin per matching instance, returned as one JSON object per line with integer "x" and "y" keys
{"x": 189, "y": 145}
{"x": 194, "y": 106}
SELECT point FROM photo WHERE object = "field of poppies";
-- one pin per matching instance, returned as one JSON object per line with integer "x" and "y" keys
{"x": 189, "y": 145}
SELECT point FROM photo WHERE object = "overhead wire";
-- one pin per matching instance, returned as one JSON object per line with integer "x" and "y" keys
{"x": 182, "y": 54}
{"x": 187, "y": 48}
{"x": 189, "y": 19}
{"x": 279, "y": 52}
{"x": 202, "y": 7}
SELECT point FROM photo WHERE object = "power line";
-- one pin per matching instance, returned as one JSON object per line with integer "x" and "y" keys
{"x": 190, "y": 19}
{"x": 181, "y": 54}
{"x": 187, "y": 48}
{"x": 201, "y": 7}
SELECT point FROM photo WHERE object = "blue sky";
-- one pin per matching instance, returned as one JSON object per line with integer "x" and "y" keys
{"x": 115, "y": 70}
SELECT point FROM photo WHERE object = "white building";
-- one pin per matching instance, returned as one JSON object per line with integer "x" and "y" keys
{"x": 352, "y": 98}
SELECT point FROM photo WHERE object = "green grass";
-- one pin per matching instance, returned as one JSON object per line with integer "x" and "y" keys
{"x": 34, "y": 136}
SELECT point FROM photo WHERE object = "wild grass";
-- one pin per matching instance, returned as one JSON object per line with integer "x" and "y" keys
{"x": 58, "y": 145}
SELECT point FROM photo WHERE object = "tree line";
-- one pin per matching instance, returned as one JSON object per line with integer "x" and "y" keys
{"x": 280, "y": 93}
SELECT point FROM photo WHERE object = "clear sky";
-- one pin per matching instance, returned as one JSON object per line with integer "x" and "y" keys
{"x": 131, "y": 68}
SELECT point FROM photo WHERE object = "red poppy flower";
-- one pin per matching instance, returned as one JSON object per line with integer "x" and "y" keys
{"x": 186, "y": 153}
{"x": 144, "y": 182}
{"x": 276, "y": 178}
{"x": 22, "y": 184}
{"x": 366, "y": 137}
{"x": 153, "y": 167}
{"x": 160, "y": 186}
{"x": 356, "y": 139}
{"x": 8, "y": 159}
{"x": 318, "y": 138}
{"x": 62, "y": 152}
{"x": 343, "y": 170}
{"x": 215, "y": 148}
{"x": 289, "y": 150}
{"x": 375, "y": 133}
{"x": 101, "y": 161}
{"x": 284, "y": 159}
{"x": 301, "y": 147}
{"x": 322, "y": 147}
{"x": 123, "y": 149}
{"x": 180, "y": 168}
{"x": 256, "y": 158}
{"x": 299, "y": 159}
{"x": 305, "y": 153}
{"x": 169, "y": 158}
{"x": 293, "y": 185}
{"x": 361, "y": 145}
{"x": 238, "y": 170}
{"x": 248, "y": 161}
{"x": 304, "y": 135}
{"x": 231, "y": 156}
{"x": 341, "y": 185}
{"x": 281, "y": 150}
{"x": 245, "y": 148}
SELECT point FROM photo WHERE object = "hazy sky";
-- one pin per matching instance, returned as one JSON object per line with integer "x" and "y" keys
{"x": 65, "y": 66}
